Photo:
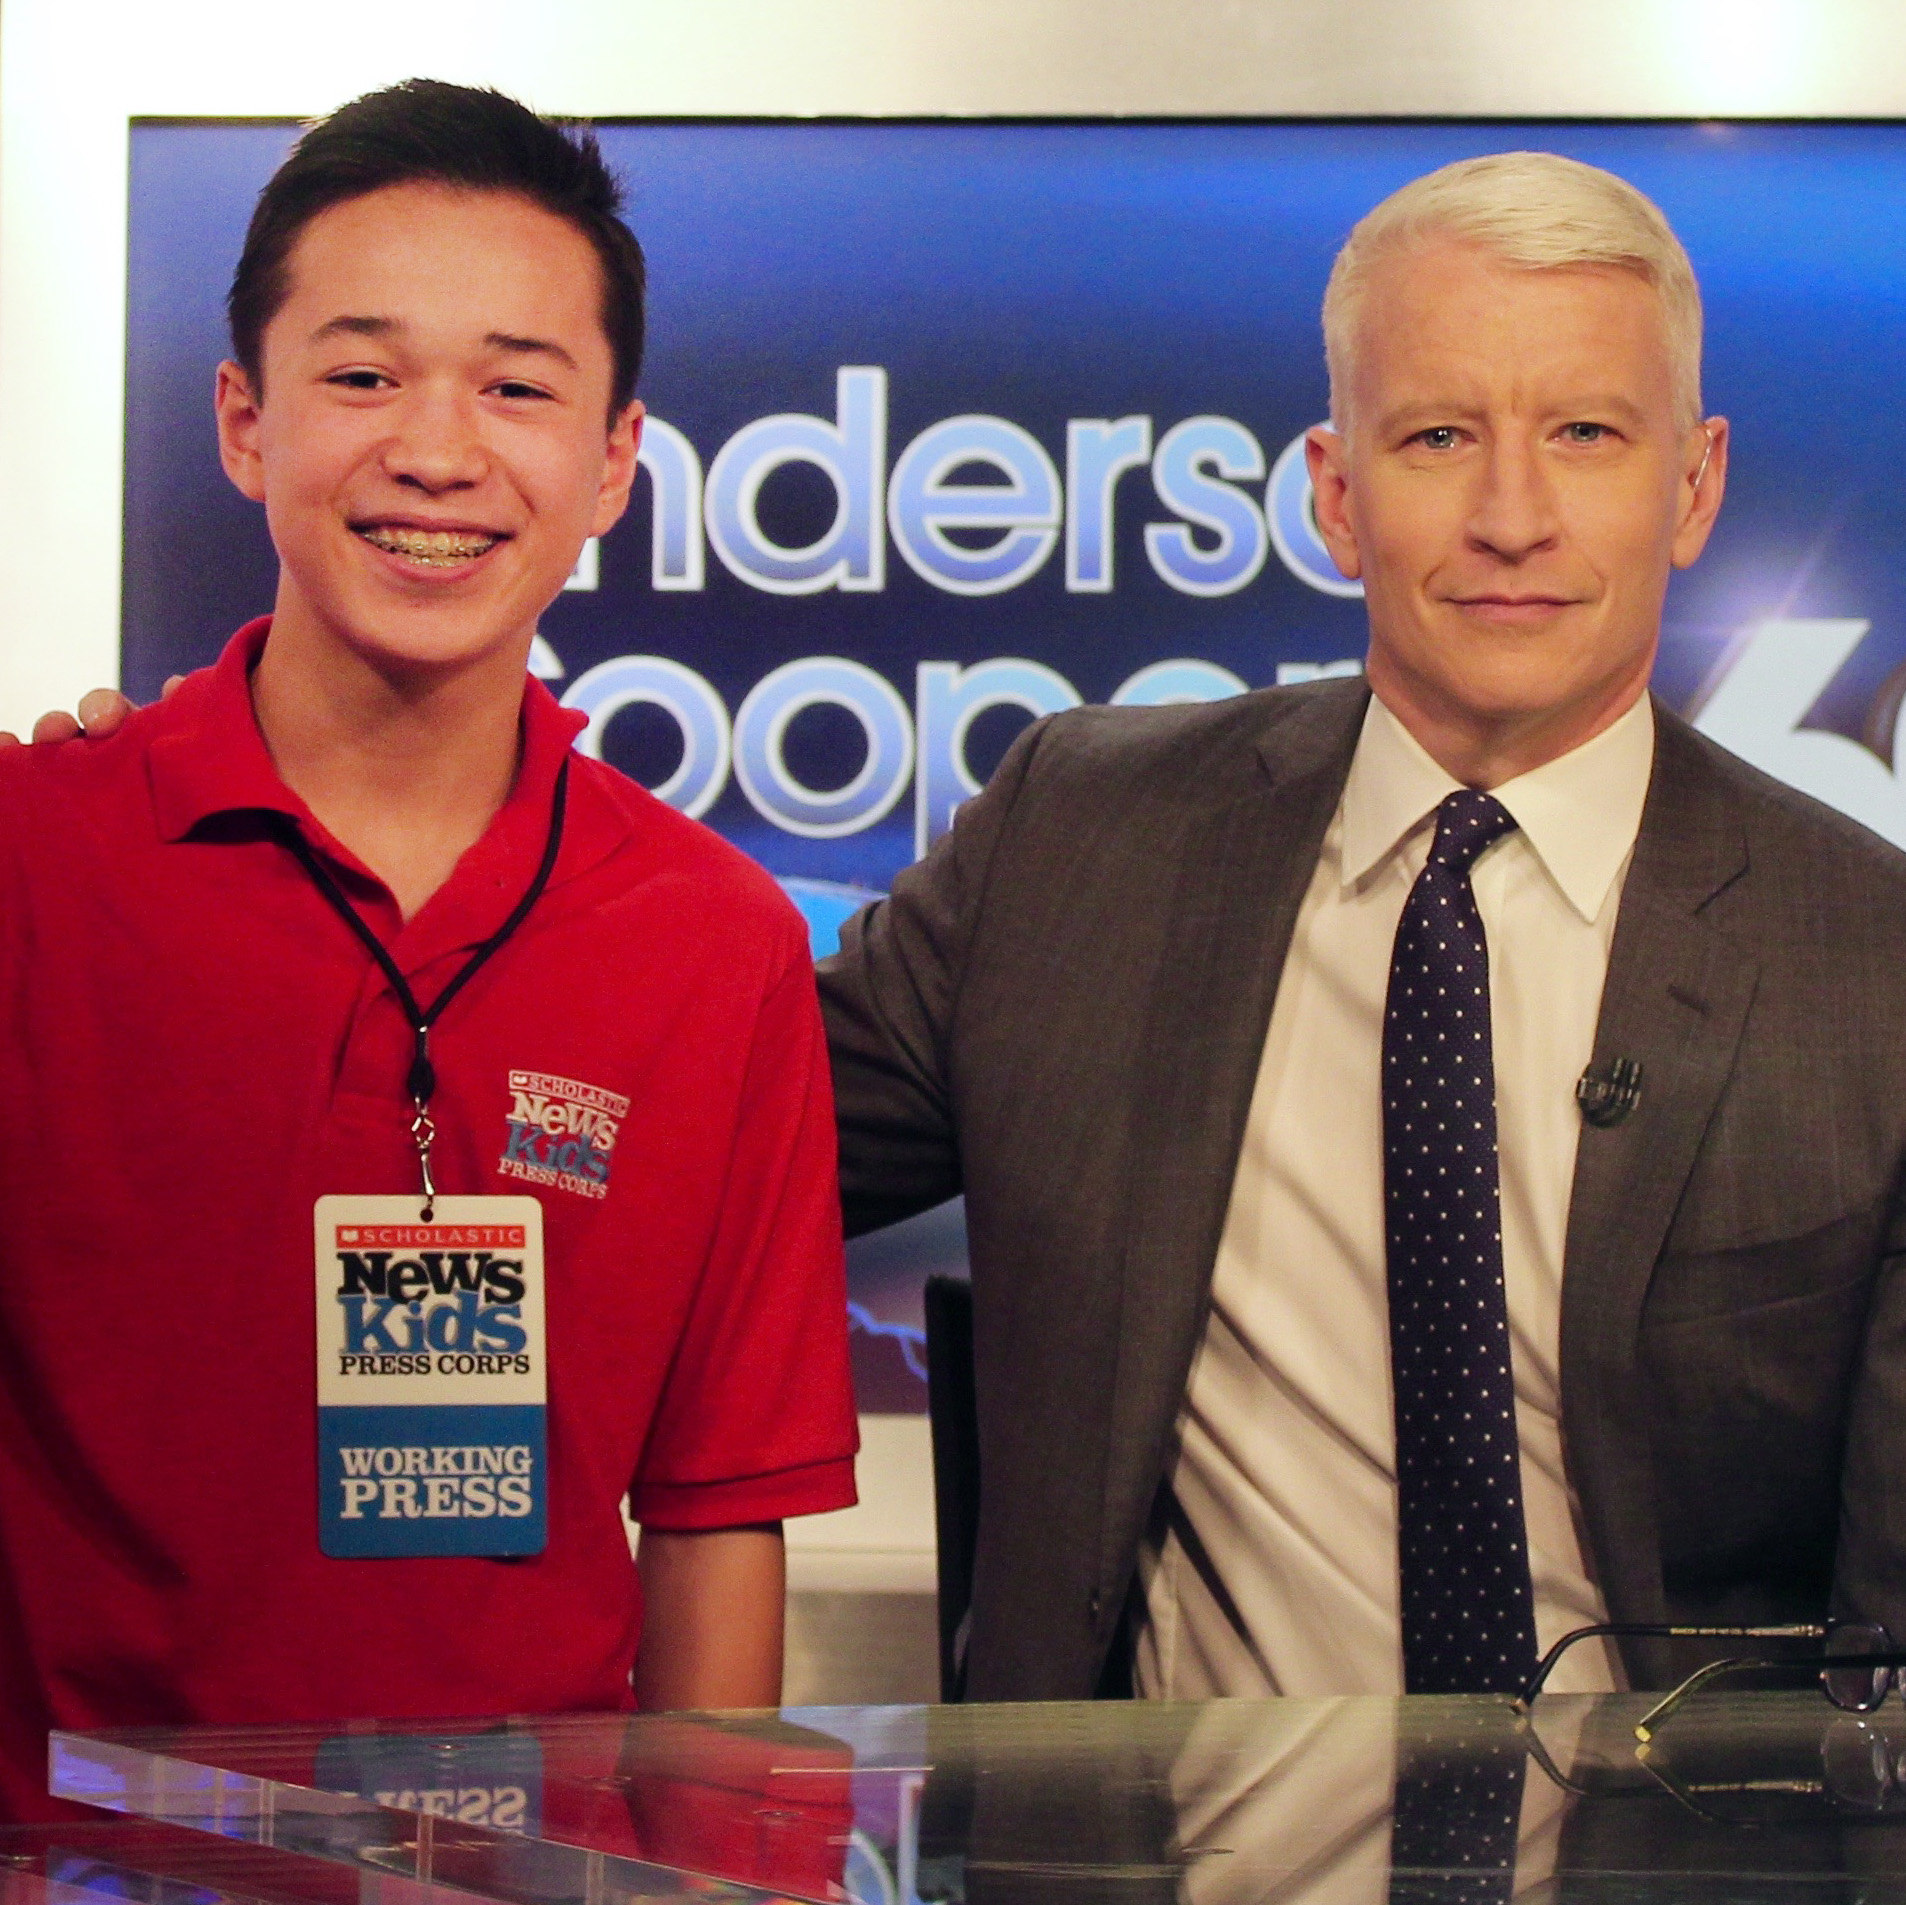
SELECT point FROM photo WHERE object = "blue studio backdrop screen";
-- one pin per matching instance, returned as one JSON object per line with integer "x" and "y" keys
{"x": 956, "y": 424}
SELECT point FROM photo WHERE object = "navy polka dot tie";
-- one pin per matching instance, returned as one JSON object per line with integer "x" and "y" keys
{"x": 1463, "y": 1552}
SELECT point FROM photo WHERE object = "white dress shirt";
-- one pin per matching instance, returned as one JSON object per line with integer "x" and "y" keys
{"x": 1272, "y": 1568}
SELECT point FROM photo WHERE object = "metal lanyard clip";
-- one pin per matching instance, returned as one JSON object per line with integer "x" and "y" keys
{"x": 425, "y": 1133}
{"x": 423, "y": 1084}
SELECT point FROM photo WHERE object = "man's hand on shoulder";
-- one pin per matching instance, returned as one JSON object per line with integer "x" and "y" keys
{"x": 102, "y": 711}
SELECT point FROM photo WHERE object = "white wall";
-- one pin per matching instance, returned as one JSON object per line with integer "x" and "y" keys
{"x": 72, "y": 74}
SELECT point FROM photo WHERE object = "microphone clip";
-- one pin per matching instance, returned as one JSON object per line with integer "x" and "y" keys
{"x": 1608, "y": 1092}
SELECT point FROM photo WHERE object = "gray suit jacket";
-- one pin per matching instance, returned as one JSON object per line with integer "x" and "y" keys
{"x": 1060, "y": 1012}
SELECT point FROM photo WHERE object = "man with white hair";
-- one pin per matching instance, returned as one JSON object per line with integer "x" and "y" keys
{"x": 1432, "y": 1145}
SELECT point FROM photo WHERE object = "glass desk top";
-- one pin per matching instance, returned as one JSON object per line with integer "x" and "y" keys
{"x": 137, "y": 1863}
{"x": 1760, "y": 1796}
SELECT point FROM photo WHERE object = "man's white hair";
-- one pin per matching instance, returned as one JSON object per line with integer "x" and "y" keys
{"x": 1533, "y": 210}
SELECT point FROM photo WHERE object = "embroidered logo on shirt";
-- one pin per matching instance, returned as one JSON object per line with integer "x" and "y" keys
{"x": 561, "y": 1133}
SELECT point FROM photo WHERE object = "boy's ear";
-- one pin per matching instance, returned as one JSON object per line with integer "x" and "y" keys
{"x": 618, "y": 469}
{"x": 237, "y": 409}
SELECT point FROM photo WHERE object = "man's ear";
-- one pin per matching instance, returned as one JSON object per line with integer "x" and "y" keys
{"x": 1326, "y": 459}
{"x": 238, "y": 412}
{"x": 1703, "y": 484}
{"x": 618, "y": 469}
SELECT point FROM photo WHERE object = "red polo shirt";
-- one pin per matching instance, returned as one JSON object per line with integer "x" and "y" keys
{"x": 193, "y": 1048}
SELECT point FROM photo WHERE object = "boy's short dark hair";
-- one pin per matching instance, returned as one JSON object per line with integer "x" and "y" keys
{"x": 428, "y": 131}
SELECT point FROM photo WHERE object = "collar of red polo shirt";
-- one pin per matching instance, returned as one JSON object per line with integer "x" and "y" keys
{"x": 212, "y": 759}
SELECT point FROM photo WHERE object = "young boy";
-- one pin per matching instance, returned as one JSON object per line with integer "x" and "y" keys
{"x": 420, "y": 1137}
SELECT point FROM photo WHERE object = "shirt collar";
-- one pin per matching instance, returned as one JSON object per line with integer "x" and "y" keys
{"x": 1580, "y": 813}
{"x": 207, "y": 756}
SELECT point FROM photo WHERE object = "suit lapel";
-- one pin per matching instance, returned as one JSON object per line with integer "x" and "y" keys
{"x": 1242, "y": 871}
{"x": 1676, "y": 998}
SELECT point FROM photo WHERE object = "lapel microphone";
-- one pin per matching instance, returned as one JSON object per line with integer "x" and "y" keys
{"x": 1608, "y": 1092}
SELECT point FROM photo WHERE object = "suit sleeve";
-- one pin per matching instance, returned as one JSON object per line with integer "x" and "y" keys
{"x": 1870, "y": 1568}
{"x": 889, "y": 998}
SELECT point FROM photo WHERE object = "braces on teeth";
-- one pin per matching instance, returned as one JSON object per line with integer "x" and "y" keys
{"x": 438, "y": 547}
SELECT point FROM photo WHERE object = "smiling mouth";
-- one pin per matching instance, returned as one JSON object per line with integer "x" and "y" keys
{"x": 436, "y": 548}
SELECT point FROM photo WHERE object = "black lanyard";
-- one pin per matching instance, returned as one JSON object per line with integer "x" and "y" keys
{"x": 422, "y": 1080}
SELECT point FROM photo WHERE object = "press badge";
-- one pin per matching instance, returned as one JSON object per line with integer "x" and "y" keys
{"x": 432, "y": 1377}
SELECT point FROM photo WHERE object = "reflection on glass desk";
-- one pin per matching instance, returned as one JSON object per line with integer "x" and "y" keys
{"x": 1760, "y": 1796}
{"x": 135, "y": 1863}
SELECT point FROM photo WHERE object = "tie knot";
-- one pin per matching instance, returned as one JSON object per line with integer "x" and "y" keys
{"x": 1466, "y": 822}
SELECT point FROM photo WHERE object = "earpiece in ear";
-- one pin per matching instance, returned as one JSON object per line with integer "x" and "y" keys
{"x": 1707, "y": 437}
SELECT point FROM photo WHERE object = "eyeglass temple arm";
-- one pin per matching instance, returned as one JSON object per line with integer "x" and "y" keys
{"x": 1649, "y": 1721}
{"x": 1650, "y": 1630}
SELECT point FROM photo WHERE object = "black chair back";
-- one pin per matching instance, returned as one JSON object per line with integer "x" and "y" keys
{"x": 953, "y": 1414}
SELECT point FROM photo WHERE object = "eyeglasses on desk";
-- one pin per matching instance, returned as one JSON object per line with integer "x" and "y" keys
{"x": 1858, "y": 1663}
